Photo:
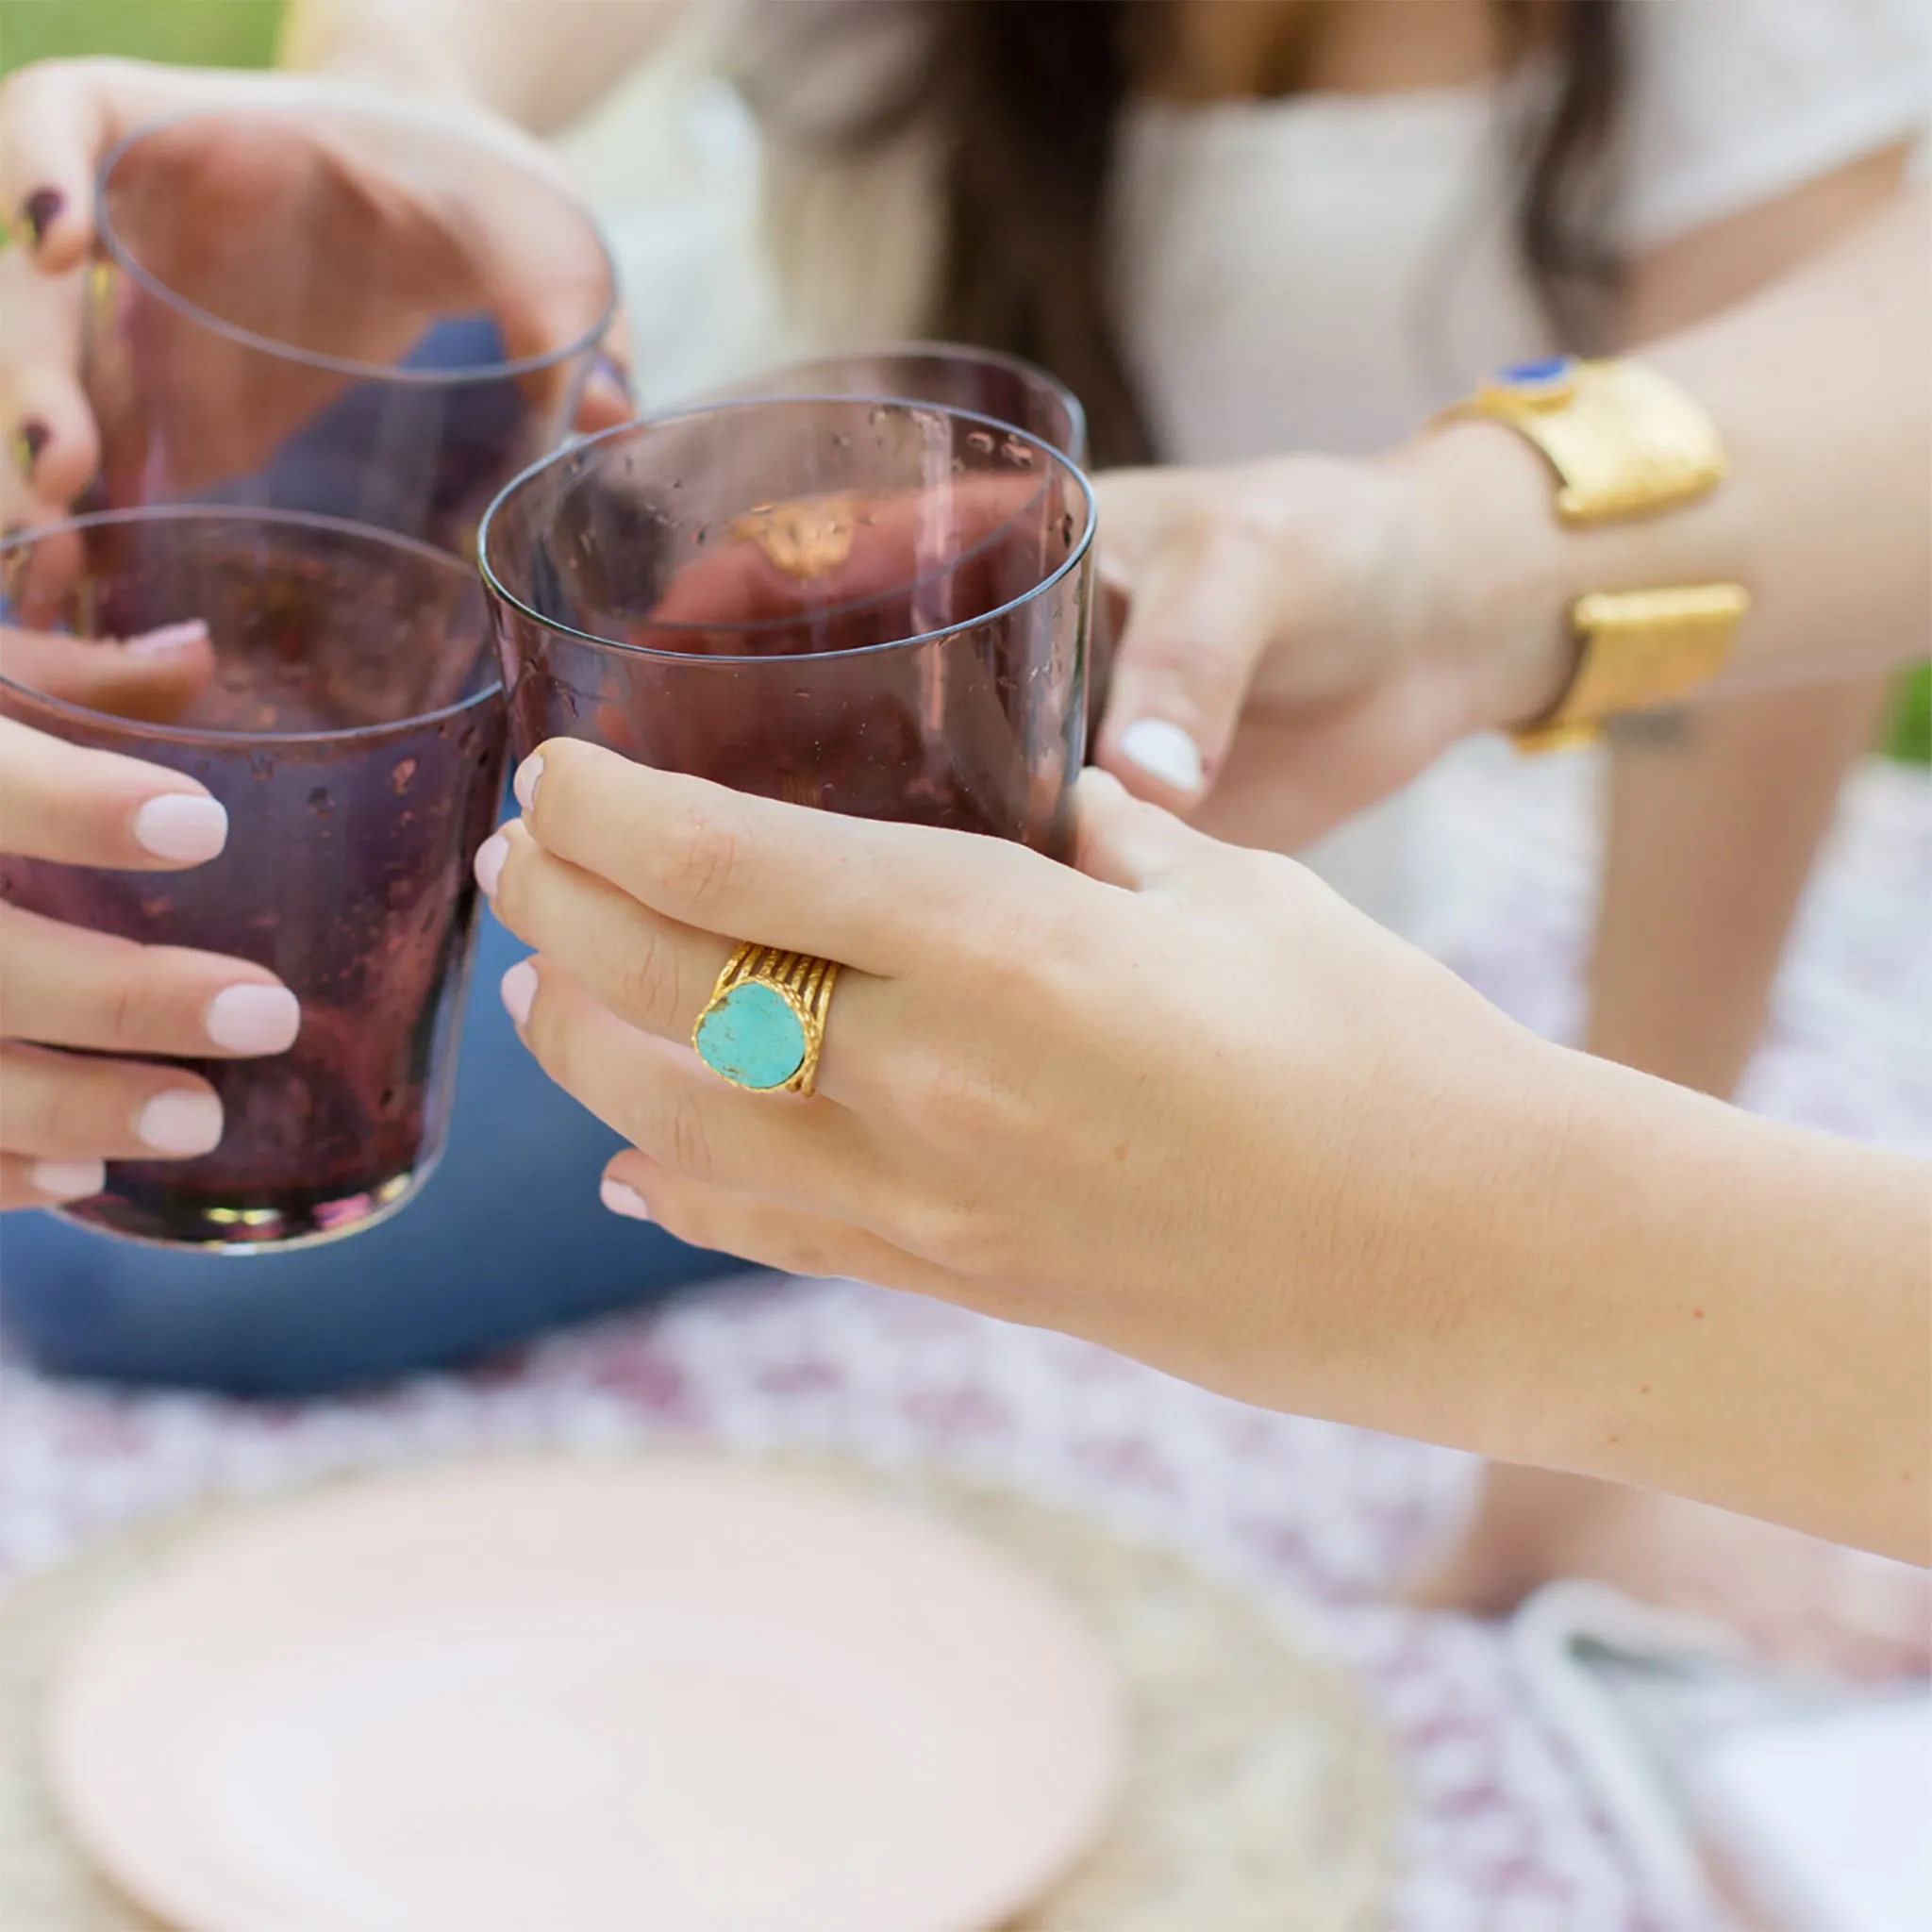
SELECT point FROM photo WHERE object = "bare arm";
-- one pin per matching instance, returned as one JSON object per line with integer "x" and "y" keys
{"x": 541, "y": 62}
{"x": 1822, "y": 388}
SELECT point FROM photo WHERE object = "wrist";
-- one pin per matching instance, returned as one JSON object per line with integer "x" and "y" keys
{"x": 1501, "y": 569}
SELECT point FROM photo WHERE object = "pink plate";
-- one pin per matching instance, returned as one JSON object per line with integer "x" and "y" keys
{"x": 586, "y": 1696}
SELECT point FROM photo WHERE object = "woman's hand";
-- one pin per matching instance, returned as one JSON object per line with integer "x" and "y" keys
{"x": 58, "y": 119}
{"x": 1305, "y": 634}
{"x": 1176, "y": 1099}
{"x": 62, "y": 1114}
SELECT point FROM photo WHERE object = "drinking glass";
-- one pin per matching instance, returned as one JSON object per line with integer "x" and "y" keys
{"x": 871, "y": 604}
{"x": 300, "y": 313}
{"x": 984, "y": 382}
{"x": 352, "y": 727}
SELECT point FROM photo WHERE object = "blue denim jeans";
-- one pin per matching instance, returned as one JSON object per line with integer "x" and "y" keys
{"x": 505, "y": 1239}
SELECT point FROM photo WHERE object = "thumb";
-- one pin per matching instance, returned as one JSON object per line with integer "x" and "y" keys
{"x": 151, "y": 679}
{"x": 1198, "y": 624}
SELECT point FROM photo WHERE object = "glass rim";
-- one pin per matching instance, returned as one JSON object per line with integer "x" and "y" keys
{"x": 224, "y": 513}
{"x": 919, "y": 348}
{"x": 115, "y": 247}
{"x": 641, "y": 425}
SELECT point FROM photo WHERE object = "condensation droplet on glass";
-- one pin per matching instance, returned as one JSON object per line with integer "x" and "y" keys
{"x": 1019, "y": 454}
{"x": 320, "y": 802}
{"x": 980, "y": 442}
{"x": 403, "y": 776}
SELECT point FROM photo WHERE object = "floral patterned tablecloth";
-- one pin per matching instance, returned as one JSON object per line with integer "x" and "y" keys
{"x": 1497, "y": 1834}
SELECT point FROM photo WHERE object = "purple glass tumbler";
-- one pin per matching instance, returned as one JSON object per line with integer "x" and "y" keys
{"x": 869, "y": 605}
{"x": 301, "y": 312}
{"x": 352, "y": 727}
{"x": 983, "y": 382}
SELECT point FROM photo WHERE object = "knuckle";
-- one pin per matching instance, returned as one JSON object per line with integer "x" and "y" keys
{"x": 956, "y": 1233}
{"x": 679, "y": 1137}
{"x": 641, "y": 986}
{"x": 703, "y": 859}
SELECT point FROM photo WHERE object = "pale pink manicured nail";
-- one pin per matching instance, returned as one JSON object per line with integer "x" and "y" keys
{"x": 180, "y": 1122}
{"x": 67, "y": 1180}
{"x": 490, "y": 858}
{"x": 623, "y": 1200}
{"x": 165, "y": 641}
{"x": 182, "y": 825}
{"x": 1165, "y": 752}
{"x": 254, "y": 1019}
{"x": 524, "y": 784}
{"x": 519, "y": 989}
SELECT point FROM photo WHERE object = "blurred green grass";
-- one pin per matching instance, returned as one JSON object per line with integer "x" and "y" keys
{"x": 196, "y": 33}
{"x": 241, "y": 33}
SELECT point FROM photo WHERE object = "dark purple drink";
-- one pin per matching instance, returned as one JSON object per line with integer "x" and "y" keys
{"x": 353, "y": 730}
{"x": 866, "y": 605}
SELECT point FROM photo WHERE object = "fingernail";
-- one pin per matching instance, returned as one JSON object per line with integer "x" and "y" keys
{"x": 519, "y": 989}
{"x": 623, "y": 1200}
{"x": 524, "y": 784}
{"x": 490, "y": 858}
{"x": 1165, "y": 752}
{"x": 182, "y": 825}
{"x": 40, "y": 210}
{"x": 254, "y": 1019}
{"x": 182, "y": 1121}
{"x": 34, "y": 437}
{"x": 67, "y": 1180}
{"x": 167, "y": 641}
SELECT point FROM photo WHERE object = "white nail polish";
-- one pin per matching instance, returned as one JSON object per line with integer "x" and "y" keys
{"x": 180, "y": 1123}
{"x": 67, "y": 1180}
{"x": 183, "y": 826}
{"x": 1165, "y": 752}
{"x": 490, "y": 858}
{"x": 623, "y": 1200}
{"x": 520, "y": 991}
{"x": 254, "y": 1019}
{"x": 524, "y": 784}
{"x": 167, "y": 641}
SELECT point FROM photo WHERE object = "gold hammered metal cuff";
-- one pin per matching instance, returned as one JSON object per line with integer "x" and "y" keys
{"x": 1623, "y": 441}
{"x": 764, "y": 1025}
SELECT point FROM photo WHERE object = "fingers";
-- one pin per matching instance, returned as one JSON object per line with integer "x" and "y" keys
{"x": 1122, "y": 840}
{"x": 67, "y": 1106}
{"x": 651, "y": 971}
{"x": 51, "y": 444}
{"x": 792, "y": 1239}
{"x": 61, "y": 986}
{"x": 1201, "y": 619}
{"x": 151, "y": 678}
{"x": 62, "y": 802}
{"x": 56, "y": 120}
{"x": 28, "y": 1183}
{"x": 673, "y": 1110}
{"x": 878, "y": 897}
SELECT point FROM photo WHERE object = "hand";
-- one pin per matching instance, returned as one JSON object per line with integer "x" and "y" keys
{"x": 1176, "y": 1100}
{"x": 1306, "y": 635}
{"x": 58, "y": 120}
{"x": 62, "y": 1114}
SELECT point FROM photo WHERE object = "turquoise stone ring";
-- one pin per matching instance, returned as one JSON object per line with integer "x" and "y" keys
{"x": 765, "y": 1021}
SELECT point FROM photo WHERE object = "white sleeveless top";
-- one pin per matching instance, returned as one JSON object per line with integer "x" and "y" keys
{"x": 1316, "y": 273}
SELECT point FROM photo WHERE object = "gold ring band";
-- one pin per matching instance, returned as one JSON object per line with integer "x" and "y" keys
{"x": 763, "y": 1028}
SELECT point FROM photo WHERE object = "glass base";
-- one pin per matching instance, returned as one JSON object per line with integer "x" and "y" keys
{"x": 156, "y": 1221}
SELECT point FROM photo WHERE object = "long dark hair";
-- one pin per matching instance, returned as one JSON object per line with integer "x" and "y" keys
{"x": 1026, "y": 96}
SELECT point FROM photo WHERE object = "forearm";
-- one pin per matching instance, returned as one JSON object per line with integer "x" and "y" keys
{"x": 1822, "y": 391}
{"x": 1710, "y": 1304}
{"x": 541, "y": 62}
